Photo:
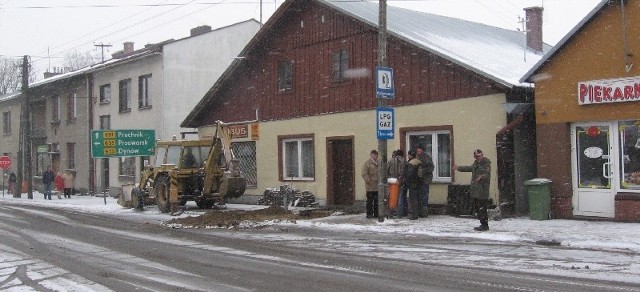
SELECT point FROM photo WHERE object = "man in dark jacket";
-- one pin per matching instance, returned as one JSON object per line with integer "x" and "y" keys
{"x": 479, "y": 188}
{"x": 427, "y": 178}
{"x": 414, "y": 181}
{"x": 47, "y": 180}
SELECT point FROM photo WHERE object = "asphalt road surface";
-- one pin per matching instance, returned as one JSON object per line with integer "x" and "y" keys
{"x": 55, "y": 250}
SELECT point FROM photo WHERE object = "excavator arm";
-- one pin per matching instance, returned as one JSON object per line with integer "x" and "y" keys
{"x": 222, "y": 174}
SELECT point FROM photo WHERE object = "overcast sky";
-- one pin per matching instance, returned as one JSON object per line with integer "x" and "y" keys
{"x": 47, "y": 29}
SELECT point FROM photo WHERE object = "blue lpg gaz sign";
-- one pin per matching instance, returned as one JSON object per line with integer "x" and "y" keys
{"x": 385, "y": 123}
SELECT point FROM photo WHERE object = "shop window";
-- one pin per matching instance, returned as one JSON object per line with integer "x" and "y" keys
{"x": 298, "y": 161}
{"x": 245, "y": 152}
{"x": 437, "y": 144}
{"x": 630, "y": 154}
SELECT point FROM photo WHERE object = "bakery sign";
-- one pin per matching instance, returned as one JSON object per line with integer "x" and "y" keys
{"x": 609, "y": 90}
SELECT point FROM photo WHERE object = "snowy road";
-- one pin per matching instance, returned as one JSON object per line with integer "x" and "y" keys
{"x": 62, "y": 250}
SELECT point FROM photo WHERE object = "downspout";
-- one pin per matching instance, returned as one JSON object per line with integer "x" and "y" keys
{"x": 92, "y": 163}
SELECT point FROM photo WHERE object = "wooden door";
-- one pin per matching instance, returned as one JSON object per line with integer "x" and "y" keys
{"x": 340, "y": 171}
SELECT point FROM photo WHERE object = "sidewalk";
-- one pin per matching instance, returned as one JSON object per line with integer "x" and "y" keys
{"x": 576, "y": 234}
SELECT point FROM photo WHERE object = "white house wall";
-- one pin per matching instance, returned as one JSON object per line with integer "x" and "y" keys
{"x": 192, "y": 66}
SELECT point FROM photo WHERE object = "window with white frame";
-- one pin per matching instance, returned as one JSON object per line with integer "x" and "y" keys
{"x": 105, "y": 93}
{"x": 125, "y": 95}
{"x": 629, "y": 132}
{"x": 6, "y": 123}
{"x": 72, "y": 104}
{"x": 437, "y": 144}
{"x": 105, "y": 122}
{"x": 144, "y": 97}
{"x": 298, "y": 161}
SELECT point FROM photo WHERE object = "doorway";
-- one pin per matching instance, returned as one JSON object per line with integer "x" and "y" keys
{"x": 594, "y": 169}
{"x": 340, "y": 171}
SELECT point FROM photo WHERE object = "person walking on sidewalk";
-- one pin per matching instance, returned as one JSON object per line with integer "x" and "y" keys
{"x": 370, "y": 176}
{"x": 68, "y": 183}
{"x": 47, "y": 180}
{"x": 479, "y": 188}
{"x": 427, "y": 178}
{"x": 413, "y": 180}
{"x": 59, "y": 184}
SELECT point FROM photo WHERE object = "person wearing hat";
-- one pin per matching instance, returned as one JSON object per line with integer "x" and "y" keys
{"x": 414, "y": 181}
{"x": 427, "y": 178}
{"x": 479, "y": 189}
{"x": 370, "y": 176}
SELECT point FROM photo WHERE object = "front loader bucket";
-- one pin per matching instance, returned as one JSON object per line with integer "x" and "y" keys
{"x": 232, "y": 187}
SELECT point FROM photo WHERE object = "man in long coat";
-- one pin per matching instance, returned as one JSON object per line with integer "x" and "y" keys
{"x": 479, "y": 188}
{"x": 370, "y": 176}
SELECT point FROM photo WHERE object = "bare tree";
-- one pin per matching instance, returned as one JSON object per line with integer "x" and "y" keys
{"x": 74, "y": 60}
{"x": 9, "y": 75}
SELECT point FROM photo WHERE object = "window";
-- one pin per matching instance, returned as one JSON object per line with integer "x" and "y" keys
{"x": 71, "y": 155}
{"x": 105, "y": 122}
{"x": 245, "y": 152}
{"x": 6, "y": 123}
{"x": 127, "y": 166}
{"x": 125, "y": 95}
{"x": 630, "y": 154}
{"x": 339, "y": 65}
{"x": 285, "y": 76}
{"x": 144, "y": 98}
{"x": 297, "y": 158}
{"x": 55, "y": 109}
{"x": 71, "y": 107}
{"x": 438, "y": 145}
{"x": 105, "y": 93}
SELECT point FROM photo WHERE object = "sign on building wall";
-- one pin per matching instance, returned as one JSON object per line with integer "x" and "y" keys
{"x": 239, "y": 131}
{"x": 609, "y": 90}
{"x": 122, "y": 143}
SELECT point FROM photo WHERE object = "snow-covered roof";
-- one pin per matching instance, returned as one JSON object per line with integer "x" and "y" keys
{"x": 496, "y": 53}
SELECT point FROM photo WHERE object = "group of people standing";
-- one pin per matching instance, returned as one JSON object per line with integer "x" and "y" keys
{"x": 62, "y": 182}
{"x": 415, "y": 174}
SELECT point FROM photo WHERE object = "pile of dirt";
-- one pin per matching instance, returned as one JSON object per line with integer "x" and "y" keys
{"x": 237, "y": 218}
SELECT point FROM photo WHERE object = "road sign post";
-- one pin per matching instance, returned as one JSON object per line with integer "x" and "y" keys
{"x": 122, "y": 143}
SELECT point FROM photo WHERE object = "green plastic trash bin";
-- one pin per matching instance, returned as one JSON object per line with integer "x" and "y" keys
{"x": 539, "y": 193}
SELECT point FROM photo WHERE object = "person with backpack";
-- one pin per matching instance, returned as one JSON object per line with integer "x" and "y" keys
{"x": 479, "y": 188}
{"x": 414, "y": 181}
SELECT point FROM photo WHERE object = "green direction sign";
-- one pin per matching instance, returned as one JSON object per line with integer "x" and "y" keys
{"x": 122, "y": 143}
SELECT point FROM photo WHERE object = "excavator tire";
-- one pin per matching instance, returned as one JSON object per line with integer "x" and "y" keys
{"x": 161, "y": 190}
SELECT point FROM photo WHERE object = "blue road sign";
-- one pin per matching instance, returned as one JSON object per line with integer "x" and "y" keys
{"x": 385, "y": 123}
{"x": 384, "y": 83}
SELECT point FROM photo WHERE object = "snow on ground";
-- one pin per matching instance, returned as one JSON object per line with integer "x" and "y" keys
{"x": 578, "y": 234}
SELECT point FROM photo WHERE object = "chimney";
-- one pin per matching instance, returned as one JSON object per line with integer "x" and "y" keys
{"x": 200, "y": 30}
{"x": 128, "y": 47}
{"x": 534, "y": 28}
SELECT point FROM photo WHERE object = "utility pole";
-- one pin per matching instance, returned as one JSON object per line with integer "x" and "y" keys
{"x": 382, "y": 103}
{"x": 102, "y": 46}
{"x": 24, "y": 148}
